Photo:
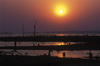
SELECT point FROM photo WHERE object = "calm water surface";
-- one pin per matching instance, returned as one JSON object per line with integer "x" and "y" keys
{"x": 73, "y": 54}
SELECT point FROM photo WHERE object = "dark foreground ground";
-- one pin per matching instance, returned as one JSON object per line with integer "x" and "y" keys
{"x": 8, "y": 60}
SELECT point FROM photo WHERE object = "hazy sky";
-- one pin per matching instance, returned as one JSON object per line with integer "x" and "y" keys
{"x": 82, "y": 15}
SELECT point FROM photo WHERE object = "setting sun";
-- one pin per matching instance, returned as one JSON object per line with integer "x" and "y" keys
{"x": 60, "y": 10}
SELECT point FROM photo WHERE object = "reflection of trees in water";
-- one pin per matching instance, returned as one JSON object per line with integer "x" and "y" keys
{"x": 10, "y": 53}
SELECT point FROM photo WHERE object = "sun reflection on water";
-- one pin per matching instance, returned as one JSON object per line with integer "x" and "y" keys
{"x": 68, "y": 54}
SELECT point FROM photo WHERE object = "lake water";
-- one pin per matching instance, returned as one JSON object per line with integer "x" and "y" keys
{"x": 72, "y": 54}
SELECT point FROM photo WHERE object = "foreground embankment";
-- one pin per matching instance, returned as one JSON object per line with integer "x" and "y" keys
{"x": 40, "y": 60}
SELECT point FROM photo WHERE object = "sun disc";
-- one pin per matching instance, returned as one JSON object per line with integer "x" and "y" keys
{"x": 60, "y": 10}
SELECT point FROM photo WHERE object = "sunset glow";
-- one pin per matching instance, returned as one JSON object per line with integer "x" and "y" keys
{"x": 52, "y": 15}
{"x": 61, "y": 10}
{"x": 50, "y": 32}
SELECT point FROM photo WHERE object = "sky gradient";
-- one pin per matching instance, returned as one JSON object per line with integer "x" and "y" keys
{"x": 81, "y": 15}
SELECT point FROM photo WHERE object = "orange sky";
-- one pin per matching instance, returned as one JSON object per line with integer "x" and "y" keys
{"x": 80, "y": 14}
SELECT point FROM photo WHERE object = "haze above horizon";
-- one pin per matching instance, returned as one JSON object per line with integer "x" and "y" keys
{"x": 51, "y": 15}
